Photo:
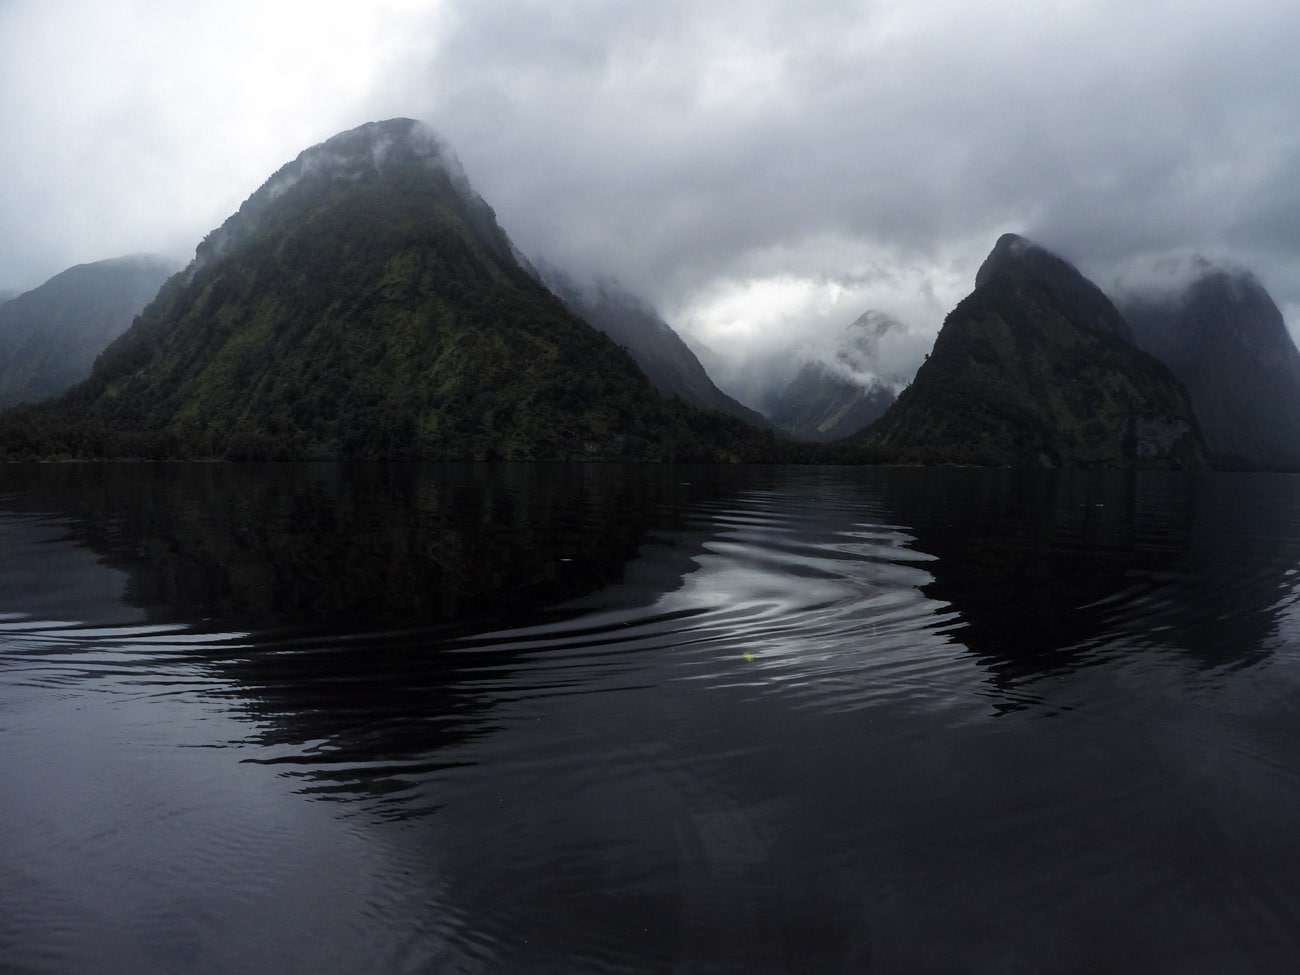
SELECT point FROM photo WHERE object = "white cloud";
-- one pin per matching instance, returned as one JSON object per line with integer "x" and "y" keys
{"x": 780, "y": 166}
{"x": 140, "y": 125}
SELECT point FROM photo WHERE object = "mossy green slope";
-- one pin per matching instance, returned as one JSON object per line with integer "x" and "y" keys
{"x": 365, "y": 303}
{"x": 1036, "y": 368}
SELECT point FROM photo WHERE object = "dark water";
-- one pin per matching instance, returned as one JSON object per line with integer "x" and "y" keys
{"x": 604, "y": 719}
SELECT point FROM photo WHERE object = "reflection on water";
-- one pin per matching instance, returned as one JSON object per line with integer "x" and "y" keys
{"x": 557, "y": 719}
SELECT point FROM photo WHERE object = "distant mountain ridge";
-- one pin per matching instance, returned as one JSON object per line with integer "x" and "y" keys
{"x": 364, "y": 302}
{"x": 661, "y": 353}
{"x": 1222, "y": 335}
{"x": 1035, "y": 368}
{"x": 832, "y": 398}
{"x": 50, "y": 336}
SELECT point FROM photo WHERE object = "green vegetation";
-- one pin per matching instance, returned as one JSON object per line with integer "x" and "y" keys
{"x": 1033, "y": 369}
{"x": 376, "y": 314}
{"x": 364, "y": 304}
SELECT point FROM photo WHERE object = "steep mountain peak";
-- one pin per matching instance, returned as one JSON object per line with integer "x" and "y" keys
{"x": 843, "y": 384}
{"x": 1173, "y": 295}
{"x": 857, "y": 350}
{"x": 1173, "y": 280}
{"x": 374, "y": 148}
{"x": 1216, "y": 327}
{"x": 1032, "y": 368}
{"x": 871, "y": 325}
{"x": 389, "y": 150}
{"x": 1018, "y": 263}
{"x": 1011, "y": 251}
{"x": 364, "y": 303}
{"x": 1231, "y": 284}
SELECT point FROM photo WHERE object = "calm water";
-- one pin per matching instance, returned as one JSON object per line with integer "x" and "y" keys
{"x": 602, "y": 719}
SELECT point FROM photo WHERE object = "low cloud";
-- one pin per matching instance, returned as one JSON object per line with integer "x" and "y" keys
{"x": 762, "y": 172}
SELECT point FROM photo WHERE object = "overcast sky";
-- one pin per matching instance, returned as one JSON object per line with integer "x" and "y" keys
{"x": 761, "y": 170}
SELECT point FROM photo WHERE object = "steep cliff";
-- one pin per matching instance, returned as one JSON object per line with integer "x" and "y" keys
{"x": 1035, "y": 368}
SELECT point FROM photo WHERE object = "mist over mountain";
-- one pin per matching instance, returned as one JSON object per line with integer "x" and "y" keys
{"x": 1222, "y": 335}
{"x": 50, "y": 336}
{"x": 1035, "y": 368}
{"x": 364, "y": 302}
{"x": 821, "y": 405}
{"x": 661, "y": 353}
{"x": 840, "y": 390}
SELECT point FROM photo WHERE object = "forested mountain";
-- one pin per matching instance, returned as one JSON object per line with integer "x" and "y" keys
{"x": 837, "y": 396}
{"x": 364, "y": 302}
{"x": 49, "y": 336}
{"x": 1036, "y": 368}
{"x": 821, "y": 405}
{"x": 660, "y": 352}
{"x": 1225, "y": 339}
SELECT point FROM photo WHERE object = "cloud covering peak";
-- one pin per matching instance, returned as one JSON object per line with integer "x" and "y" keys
{"x": 756, "y": 170}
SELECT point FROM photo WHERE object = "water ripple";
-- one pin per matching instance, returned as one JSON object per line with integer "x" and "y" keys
{"x": 819, "y": 720}
{"x": 829, "y": 619}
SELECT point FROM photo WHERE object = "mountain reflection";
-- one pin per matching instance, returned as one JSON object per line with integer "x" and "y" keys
{"x": 351, "y": 590}
{"x": 767, "y": 719}
{"x": 1048, "y": 569}
{"x": 258, "y": 546}
{"x": 366, "y": 619}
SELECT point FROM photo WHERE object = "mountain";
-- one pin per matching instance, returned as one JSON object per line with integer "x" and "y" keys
{"x": 1035, "y": 368}
{"x": 49, "y": 336}
{"x": 836, "y": 396}
{"x": 364, "y": 303}
{"x": 660, "y": 352}
{"x": 820, "y": 404}
{"x": 1225, "y": 339}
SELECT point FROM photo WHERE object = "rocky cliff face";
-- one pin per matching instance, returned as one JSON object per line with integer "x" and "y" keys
{"x": 1035, "y": 368}
{"x": 1220, "y": 333}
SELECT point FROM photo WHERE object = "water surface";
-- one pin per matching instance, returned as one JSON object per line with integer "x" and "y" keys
{"x": 321, "y": 718}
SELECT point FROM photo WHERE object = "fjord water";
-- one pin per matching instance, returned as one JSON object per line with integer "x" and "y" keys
{"x": 321, "y": 718}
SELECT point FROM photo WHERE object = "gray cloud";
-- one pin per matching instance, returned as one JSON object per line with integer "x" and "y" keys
{"x": 764, "y": 172}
